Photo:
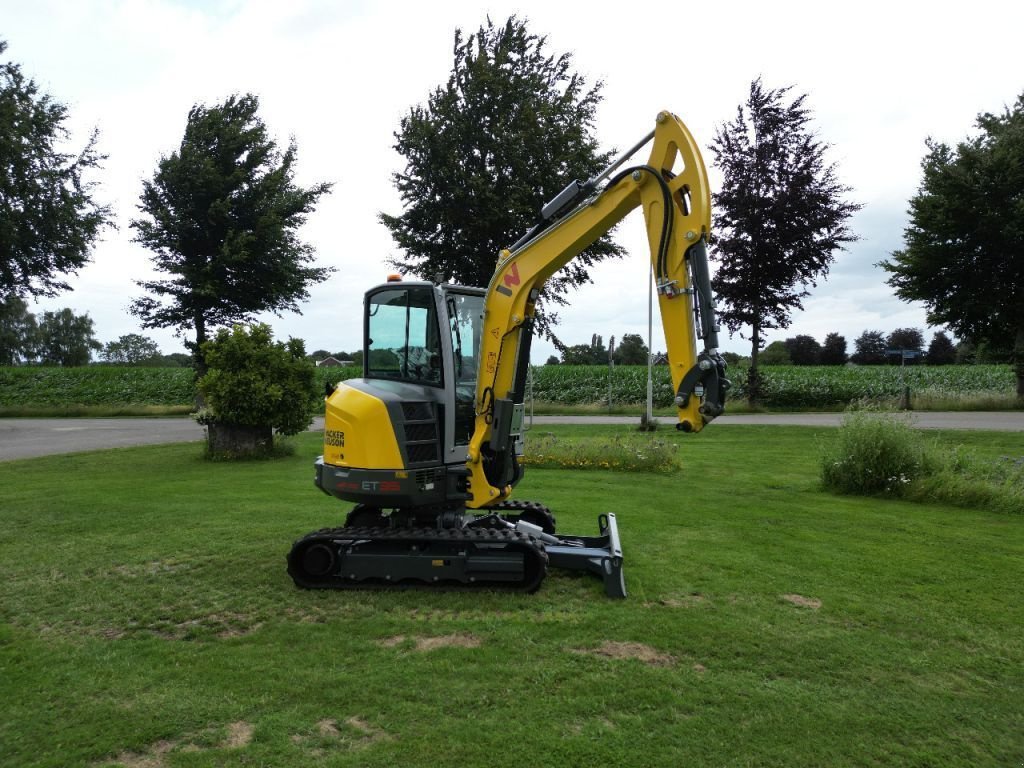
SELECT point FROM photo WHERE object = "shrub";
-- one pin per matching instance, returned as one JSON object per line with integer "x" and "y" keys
{"x": 874, "y": 453}
{"x": 253, "y": 387}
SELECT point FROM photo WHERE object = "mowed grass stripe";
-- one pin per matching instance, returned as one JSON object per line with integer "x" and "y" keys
{"x": 146, "y": 616}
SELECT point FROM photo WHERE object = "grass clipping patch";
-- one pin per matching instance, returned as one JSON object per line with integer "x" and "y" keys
{"x": 882, "y": 454}
{"x": 632, "y": 453}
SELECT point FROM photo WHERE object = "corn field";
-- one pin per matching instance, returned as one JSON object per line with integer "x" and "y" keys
{"x": 783, "y": 387}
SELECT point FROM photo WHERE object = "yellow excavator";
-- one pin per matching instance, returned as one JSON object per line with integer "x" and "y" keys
{"x": 427, "y": 443}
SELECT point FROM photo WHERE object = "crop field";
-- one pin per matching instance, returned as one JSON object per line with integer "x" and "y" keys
{"x": 146, "y": 619}
{"x": 95, "y": 385}
{"x": 785, "y": 387}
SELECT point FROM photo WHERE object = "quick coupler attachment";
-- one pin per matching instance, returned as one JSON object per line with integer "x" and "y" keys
{"x": 601, "y": 555}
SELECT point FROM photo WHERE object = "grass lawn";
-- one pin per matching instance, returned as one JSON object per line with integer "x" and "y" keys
{"x": 146, "y": 620}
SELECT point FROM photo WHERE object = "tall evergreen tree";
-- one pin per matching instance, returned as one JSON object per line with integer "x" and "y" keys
{"x": 223, "y": 214}
{"x": 511, "y": 127}
{"x": 963, "y": 252}
{"x": 779, "y": 217}
{"x": 48, "y": 216}
{"x": 941, "y": 350}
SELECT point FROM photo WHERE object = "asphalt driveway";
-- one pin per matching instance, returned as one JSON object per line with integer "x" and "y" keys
{"x": 25, "y": 438}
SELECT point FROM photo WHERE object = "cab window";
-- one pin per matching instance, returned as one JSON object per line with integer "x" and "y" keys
{"x": 403, "y": 340}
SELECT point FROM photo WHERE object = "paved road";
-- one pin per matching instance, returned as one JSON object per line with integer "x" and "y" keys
{"x": 25, "y": 438}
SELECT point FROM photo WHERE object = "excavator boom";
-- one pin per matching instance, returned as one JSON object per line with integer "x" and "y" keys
{"x": 673, "y": 191}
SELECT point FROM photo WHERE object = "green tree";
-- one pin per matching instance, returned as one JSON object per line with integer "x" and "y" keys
{"x": 507, "y": 132}
{"x": 779, "y": 217}
{"x": 869, "y": 348}
{"x": 577, "y": 354}
{"x": 776, "y": 354}
{"x": 594, "y": 353}
{"x": 966, "y": 353}
{"x": 941, "y": 350}
{"x": 631, "y": 350}
{"x": 66, "y": 339}
{"x": 131, "y": 349}
{"x": 19, "y": 333}
{"x": 223, "y": 218}
{"x": 174, "y": 360}
{"x": 963, "y": 253}
{"x": 984, "y": 352}
{"x": 803, "y": 350}
{"x": 254, "y": 386}
{"x": 48, "y": 217}
{"x": 833, "y": 351}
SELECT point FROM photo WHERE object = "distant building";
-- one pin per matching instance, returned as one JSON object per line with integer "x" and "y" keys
{"x": 333, "y": 362}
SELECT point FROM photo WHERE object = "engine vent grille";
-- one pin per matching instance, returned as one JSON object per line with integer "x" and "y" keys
{"x": 428, "y": 478}
{"x": 417, "y": 432}
{"x": 422, "y": 437}
{"x": 417, "y": 411}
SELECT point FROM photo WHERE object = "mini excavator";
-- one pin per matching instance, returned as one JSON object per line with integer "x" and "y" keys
{"x": 427, "y": 443}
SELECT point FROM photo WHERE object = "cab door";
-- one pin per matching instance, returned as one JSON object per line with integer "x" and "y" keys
{"x": 464, "y": 310}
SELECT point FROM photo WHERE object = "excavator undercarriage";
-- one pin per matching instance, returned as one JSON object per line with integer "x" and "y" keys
{"x": 497, "y": 550}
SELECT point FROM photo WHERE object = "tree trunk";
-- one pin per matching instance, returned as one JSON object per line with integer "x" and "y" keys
{"x": 1018, "y": 361}
{"x": 754, "y": 374}
{"x": 198, "y": 361}
{"x": 236, "y": 440}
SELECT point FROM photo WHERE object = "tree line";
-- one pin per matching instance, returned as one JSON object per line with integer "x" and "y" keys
{"x": 511, "y": 126}
{"x": 903, "y": 346}
{"x": 68, "y": 339}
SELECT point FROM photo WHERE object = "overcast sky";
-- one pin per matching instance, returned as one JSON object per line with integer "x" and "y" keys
{"x": 338, "y": 76}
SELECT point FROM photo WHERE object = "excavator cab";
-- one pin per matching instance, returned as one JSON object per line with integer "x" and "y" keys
{"x": 428, "y": 335}
{"x": 396, "y": 438}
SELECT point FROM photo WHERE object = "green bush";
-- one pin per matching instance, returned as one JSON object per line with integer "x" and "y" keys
{"x": 875, "y": 453}
{"x": 255, "y": 382}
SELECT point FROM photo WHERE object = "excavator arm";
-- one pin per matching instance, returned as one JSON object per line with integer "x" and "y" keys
{"x": 673, "y": 191}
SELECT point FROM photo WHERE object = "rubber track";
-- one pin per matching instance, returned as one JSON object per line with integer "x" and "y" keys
{"x": 536, "y": 565}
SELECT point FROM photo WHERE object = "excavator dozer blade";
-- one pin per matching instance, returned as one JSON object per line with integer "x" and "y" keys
{"x": 600, "y": 555}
